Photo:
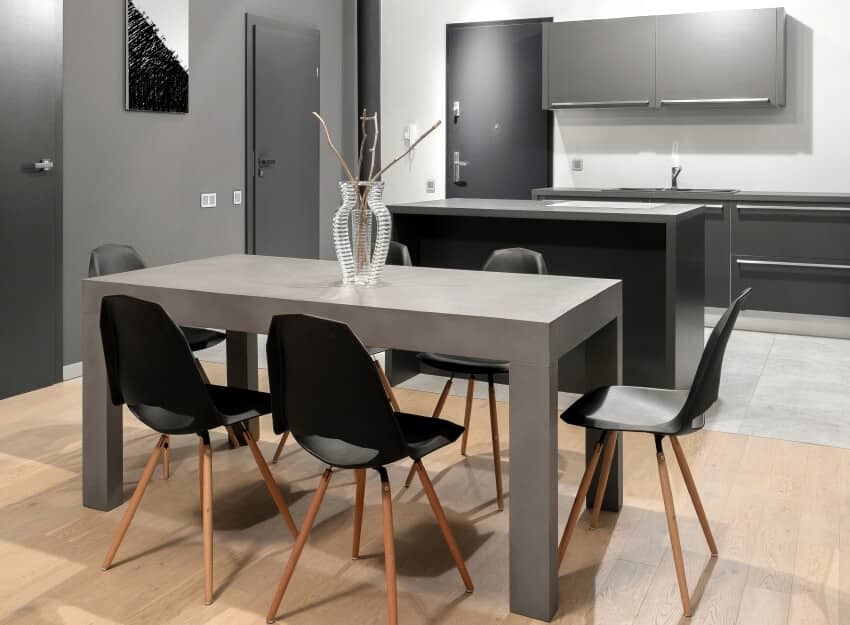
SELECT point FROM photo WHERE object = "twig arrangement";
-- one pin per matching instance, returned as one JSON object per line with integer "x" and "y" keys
{"x": 361, "y": 188}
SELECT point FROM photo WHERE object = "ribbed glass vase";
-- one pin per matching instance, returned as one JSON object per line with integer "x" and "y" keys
{"x": 355, "y": 225}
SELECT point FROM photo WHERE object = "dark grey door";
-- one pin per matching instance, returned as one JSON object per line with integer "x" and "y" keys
{"x": 283, "y": 180}
{"x": 30, "y": 194}
{"x": 498, "y": 137}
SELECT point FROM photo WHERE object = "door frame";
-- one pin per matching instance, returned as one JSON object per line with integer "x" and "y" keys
{"x": 249, "y": 196}
{"x": 551, "y": 120}
{"x": 58, "y": 212}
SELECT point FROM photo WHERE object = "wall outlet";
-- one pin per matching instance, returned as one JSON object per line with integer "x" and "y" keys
{"x": 430, "y": 186}
{"x": 209, "y": 200}
{"x": 577, "y": 164}
{"x": 237, "y": 197}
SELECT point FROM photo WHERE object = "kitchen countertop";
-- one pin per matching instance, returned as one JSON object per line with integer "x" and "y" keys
{"x": 696, "y": 196}
{"x": 583, "y": 210}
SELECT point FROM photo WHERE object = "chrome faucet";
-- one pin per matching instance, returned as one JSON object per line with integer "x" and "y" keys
{"x": 674, "y": 183}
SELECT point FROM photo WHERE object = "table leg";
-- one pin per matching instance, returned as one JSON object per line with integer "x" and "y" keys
{"x": 242, "y": 367}
{"x": 604, "y": 366}
{"x": 103, "y": 435}
{"x": 533, "y": 500}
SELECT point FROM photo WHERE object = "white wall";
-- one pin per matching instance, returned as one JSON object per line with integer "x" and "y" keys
{"x": 802, "y": 147}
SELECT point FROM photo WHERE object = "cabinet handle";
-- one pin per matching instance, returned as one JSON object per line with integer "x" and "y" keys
{"x": 714, "y": 209}
{"x": 795, "y": 209}
{"x": 600, "y": 103}
{"x": 718, "y": 101}
{"x": 782, "y": 263}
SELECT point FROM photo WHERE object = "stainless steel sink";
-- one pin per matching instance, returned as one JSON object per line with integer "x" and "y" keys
{"x": 680, "y": 189}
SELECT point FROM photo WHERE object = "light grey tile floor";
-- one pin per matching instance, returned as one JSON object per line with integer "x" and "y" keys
{"x": 789, "y": 387}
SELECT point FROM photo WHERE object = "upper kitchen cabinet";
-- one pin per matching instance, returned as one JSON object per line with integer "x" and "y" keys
{"x": 599, "y": 63}
{"x": 721, "y": 58}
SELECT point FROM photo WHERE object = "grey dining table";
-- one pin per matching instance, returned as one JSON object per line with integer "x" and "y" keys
{"x": 540, "y": 324}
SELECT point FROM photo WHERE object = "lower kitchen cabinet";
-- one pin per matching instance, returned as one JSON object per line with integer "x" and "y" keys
{"x": 718, "y": 220}
{"x": 794, "y": 285}
{"x": 796, "y": 257}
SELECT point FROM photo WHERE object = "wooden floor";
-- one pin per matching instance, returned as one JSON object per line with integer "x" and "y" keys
{"x": 780, "y": 512}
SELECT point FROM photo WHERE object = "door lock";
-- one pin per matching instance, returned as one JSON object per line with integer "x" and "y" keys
{"x": 263, "y": 164}
{"x": 456, "y": 165}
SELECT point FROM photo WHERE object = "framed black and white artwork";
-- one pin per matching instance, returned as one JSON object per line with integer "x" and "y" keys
{"x": 157, "y": 56}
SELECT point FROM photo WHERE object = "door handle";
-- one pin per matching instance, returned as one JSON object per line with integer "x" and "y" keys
{"x": 44, "y": 164}
{"x": 456, "y": 165}
{"x": 263, "y": 163}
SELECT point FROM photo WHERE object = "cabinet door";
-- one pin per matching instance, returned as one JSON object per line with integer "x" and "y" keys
{"x": 717, "y": 243}
{"x": 721, "y": 57}
{"x": 599, "y": 63}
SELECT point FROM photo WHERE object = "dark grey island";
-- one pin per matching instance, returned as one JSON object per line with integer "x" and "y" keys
{"x": 657, "y": 250}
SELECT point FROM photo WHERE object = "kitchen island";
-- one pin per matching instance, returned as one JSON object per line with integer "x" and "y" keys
{"x": 657, "y": 250}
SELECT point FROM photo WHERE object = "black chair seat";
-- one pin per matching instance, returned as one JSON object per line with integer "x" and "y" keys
{"x": 628, "y": 409}
{"x": 201, "y": 338}
{"x": 459, "y": 364}
{"x": 423, "y": 435}
{"x": 427, "y": 434}
{"x": 233, "y": 404}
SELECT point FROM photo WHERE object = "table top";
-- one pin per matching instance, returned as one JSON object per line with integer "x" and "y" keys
{"x": 620, "y": 211}
{"x": 519, "y": 297}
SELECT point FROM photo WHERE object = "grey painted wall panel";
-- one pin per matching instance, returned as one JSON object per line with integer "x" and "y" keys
{"x": 137, "y": 177}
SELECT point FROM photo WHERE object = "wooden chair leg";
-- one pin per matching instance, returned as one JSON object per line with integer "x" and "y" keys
{"x": 166, "y": 461}
{"x": 583, "y": 487}
{"x": 389, "y": 548}
{"x": 274, "y": 490}
{"x": 233, "y": 437}
{"x": 497, "y": 453}
{"x": 673, "y": 528}
{"x": 438, "y": 410}
{"x": 298, "y": 547}
{"x": 694, "y": 493}
{"x": 388, "y": 388}
{"x": 470, "y": 389}
{"x": 360, "y": 476}
{"x": 279, "y": 450}
{"x": 207, "y": 517}
{"x": 444, "y": 525}
{"x": 136, "y": 499}
{"x": 607, "y": 461}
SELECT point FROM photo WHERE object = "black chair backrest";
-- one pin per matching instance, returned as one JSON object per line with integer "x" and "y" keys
{"x": 304, "y": 354}
{"x": 149, "y": 365}
{"x": 706, "y": 385}
{"x": 114, "y": 258}
{"x": 398, "y": 254}
{"x": 516, "y": 260}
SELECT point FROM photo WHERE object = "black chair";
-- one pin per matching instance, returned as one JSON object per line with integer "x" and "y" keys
{"x": 150, "y": 368}
{"x": 116, "y": 258}
{"x": 353, "y": 427}
{"x": 664, "y": 414}
{"x": 511, "y": 260}
{"x": 398, "y": 254}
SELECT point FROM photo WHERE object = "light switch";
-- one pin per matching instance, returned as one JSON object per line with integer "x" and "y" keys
{"x": 208, "y": 200}
{"x": 430, "y": 186}
{"x": 237, "y": 197}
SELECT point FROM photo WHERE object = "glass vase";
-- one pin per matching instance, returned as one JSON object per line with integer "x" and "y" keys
{"x": 362, "y": 228}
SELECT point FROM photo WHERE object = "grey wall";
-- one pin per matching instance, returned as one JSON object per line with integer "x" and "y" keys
{"x": 136, "y": 177}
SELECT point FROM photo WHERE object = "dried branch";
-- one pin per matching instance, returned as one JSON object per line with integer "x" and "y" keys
{"x": 374, "y": 145}
{"x": 348, "y": 173}
{"x": 409, "y": 150}
{"x": 361, "y": 152}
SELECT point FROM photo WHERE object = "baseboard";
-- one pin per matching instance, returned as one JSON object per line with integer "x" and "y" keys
{"x": 74, "y": 370}
{"x": 785, "y": 323}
